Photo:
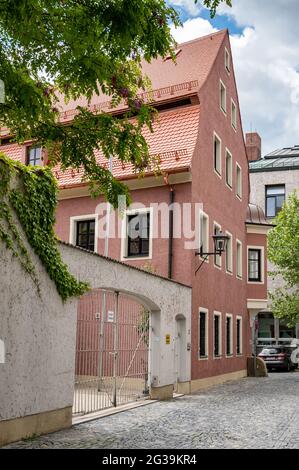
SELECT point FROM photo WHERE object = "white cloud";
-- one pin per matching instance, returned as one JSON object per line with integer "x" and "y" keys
{"x": 266, "y": 62}
{"x": 189, "y": 6}
{"x": 192, "y": 29}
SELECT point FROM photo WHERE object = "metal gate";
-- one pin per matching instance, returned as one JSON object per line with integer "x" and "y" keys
{"x": 111, "y": 353}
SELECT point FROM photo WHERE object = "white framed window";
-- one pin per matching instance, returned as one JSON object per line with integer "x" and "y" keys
{"x": 137, "y": 234}
{"x": 255, "y": 264}
{"x": 239, "y": 336}
{"x": 227, "y": 60}
{"x": 204, "y": 233}
{"x": 217, "y": 258}
{"x": 233, "y": 115}
{"x": 84, "y": 231}
{"x": 217, "y": 332}
{"x": 228, "y": 169}
{"x": 203, "y": 334}
{"x": 238, "y": 181}
{"x": 239, "y": 260}
{"x": 229, "y": 253}
{"x": 222, "y": 89}
{"x": 217, "y": 154}
{"x": 229, "y": 335}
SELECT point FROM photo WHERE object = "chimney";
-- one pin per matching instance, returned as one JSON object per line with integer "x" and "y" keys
{"x": 253, "y": 146}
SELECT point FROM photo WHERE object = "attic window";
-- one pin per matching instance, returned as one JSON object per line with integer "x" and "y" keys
{"x": 176, "y": 53}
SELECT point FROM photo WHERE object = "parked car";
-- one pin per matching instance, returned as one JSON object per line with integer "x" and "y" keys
{"x": 278, "y": 357}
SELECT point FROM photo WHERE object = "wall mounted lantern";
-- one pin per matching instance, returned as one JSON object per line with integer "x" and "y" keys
{"x": 220, "y": 243}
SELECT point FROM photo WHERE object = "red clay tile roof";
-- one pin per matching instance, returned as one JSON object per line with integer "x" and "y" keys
{"x": 14, "y": 151}
{"x": 168, "y": 79}
{"x": 174, "y": 139}
{"x": 175, "y": 134}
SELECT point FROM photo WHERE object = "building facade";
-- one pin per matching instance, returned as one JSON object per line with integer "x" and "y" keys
{"x": 202, "y": 189}
{"x": 272, "y": 179}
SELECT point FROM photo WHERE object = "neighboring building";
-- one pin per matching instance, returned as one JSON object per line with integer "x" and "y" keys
{"x": 199, "y": 140}
{"x": 272, "y": 179}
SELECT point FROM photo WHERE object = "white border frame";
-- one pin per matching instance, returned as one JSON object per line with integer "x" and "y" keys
{"x": 124, "y": 234}
{"x": 221, "y": 84}
{"x": 73, "y": 228}
{"x": 206, "y": 311}
{"x": 238, "y": 242}
{"x": 262, "y": 248}
{"x": 241, "y": 185}
{"x": 229, "y": 315}
{"x": 215, "y": 135}
{"x": 227, "y": 151}
{"x": 232, "y": 255}
{"x": 231, "y": 114}
{"x": 215, "y": 224}
{"x": 219, "y": 315}
{"x": 239, "y": 317}
{"x": 202, "y": 213}
{"x": 227, "y": 54}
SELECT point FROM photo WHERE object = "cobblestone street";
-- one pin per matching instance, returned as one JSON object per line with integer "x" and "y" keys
{"x": 249, "y": 413}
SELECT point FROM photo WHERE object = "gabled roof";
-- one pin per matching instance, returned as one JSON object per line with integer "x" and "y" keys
{"x": 173, "y": 141}
{"x": 176, "y": 131}
{"x": 280, "y": 159}
{"x": 168, "y": 79}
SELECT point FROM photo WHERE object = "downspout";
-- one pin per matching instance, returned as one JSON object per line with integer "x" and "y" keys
{"x": 170, "y": 233}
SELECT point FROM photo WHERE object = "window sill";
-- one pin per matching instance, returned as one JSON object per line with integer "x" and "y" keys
{"x": 217, "y": 173}
{"x": 217, "y": 357}
{"x": 229, "y": 356}
{"x": 203, "y": 358}
{"x": 135, "y": 258}
{"x": 218, "y": 267}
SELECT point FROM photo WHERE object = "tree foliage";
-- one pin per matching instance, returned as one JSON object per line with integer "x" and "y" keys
{"x": 283, "y": 251}
{"x": 31, "y": 193}
{"x": 50, "y": 48}
{"x": 214, "y": 4}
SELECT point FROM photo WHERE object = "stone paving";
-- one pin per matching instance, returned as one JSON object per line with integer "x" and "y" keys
{"x": 249, "y": 413}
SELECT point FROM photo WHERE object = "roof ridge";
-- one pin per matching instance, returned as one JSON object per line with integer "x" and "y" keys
{"x": 201, "y": 38}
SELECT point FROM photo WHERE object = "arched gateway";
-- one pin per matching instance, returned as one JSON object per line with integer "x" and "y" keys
{"x": 127, "y": 333}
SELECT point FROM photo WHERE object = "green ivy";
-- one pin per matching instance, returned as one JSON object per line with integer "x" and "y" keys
{"x": 32, "y": 193}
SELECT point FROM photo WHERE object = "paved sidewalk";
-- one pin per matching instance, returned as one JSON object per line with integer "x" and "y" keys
{"x": 249, "y": 413}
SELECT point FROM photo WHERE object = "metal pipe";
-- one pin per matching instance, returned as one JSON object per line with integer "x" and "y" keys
{"x": 170, "y": 237}
{"x": 103, "y": 313}
{"x": 115, "y": 355}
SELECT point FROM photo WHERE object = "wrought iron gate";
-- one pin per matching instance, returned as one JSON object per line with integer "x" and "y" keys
{"x": 111, "y": 353}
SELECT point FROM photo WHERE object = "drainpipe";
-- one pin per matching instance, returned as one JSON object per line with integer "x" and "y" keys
{"x": 170, "y": 235}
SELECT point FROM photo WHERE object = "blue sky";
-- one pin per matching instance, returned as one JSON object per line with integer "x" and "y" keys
{"x": 265, "y": 46}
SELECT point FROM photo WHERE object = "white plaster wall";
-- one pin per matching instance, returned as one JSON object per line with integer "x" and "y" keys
{"x": 166, "y": 299}
{"x": 39, "y": 337}
{"x": 258, "y": 181}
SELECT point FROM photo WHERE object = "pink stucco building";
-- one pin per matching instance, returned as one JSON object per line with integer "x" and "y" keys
{"x": 204, "y": 174}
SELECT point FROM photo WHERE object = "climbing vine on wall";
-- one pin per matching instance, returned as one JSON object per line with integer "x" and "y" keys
{"x": 32, "y": 194}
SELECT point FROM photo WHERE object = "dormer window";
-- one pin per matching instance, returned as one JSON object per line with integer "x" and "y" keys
{"x": 34, "y": 156}
{"x": 176, "y": 53}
